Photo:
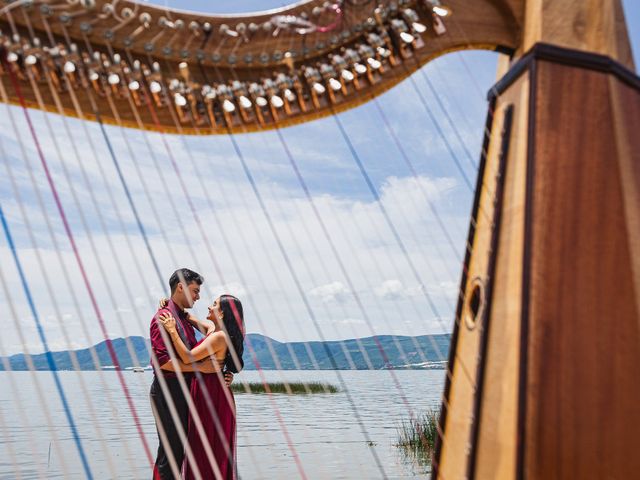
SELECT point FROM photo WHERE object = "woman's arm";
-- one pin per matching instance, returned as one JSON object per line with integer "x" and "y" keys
{"x": 203, "y": 367}
{"x": 205, "y": 327}
{"x": 209, "y": 346}
{"x": 206, "y": 366}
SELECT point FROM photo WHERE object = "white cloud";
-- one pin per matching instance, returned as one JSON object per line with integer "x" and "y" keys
{"x": 331, "y": 293}
{"x": 349, "y": 321}
{"x": 389, "y": 288}
{"x": 232, "y": 288}
{"x": 393, "y": 289}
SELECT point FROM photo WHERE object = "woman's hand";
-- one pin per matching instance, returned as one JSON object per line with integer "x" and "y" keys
{"x": 168, "y": 322}
{"x": 163, "y": 302}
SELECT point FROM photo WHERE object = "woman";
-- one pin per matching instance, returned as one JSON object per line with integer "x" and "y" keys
{"x": 213, "y": 445}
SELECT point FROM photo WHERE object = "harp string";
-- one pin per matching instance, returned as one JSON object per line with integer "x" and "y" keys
{"x": 258, "y": 234}
{"x": 154, "y": 116}
{"x": 52, "y": 366}
{"x": 249, "y": 174}
{"x": 106, "y": 231}
{"x": 15, "y": 390}
{"x": 66, "y": 275}
{"x": 353, "y": 289}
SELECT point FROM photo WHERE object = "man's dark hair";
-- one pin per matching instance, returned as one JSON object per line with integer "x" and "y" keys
{"x": 185, "y": 275}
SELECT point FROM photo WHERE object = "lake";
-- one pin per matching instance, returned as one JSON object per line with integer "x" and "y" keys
{"x": 323, "y": 428}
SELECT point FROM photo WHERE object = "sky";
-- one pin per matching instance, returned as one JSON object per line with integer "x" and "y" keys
{"x": 401, "y": 281}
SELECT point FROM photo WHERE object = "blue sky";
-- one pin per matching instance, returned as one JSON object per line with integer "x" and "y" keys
{"x": 237, "y": 252}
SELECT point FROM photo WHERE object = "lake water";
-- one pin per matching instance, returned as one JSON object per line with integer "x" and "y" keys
{"x": 323, "y": 428}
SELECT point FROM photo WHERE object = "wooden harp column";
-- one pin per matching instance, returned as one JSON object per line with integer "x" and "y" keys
{"x": 544, "y": 362}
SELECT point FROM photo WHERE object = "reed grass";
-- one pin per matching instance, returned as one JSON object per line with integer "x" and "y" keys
{"x": 417, "y": 436}
{"x": 291, "y": 388}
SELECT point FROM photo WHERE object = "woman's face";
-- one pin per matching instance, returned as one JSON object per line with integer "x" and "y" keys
{"x": 215, "y": 311}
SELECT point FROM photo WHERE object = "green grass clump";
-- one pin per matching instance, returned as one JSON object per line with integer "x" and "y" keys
{"x": 293, "y": 388}
{"x": 418, "y": 435}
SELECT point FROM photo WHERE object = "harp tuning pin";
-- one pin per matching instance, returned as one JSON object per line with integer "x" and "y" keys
{"x": 184, "y": 71}
{"x": 145, "y": 19}
{"x": 69, "y": 67}
{"x": 126, "y": 12}
{"x": 113, "y": 79}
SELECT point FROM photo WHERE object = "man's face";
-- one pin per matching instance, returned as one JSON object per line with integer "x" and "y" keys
{"x": 191, "y": 293}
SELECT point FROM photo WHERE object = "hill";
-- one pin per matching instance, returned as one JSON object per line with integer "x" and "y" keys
{"x": 384, "y": 351}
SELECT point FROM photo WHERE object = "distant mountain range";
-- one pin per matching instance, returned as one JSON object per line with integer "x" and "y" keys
{"x": 384, "y": 351}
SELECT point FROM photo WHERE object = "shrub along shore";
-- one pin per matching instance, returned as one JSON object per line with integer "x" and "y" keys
{"x": 417, "y": 436}
{"x": 291, "y": 388}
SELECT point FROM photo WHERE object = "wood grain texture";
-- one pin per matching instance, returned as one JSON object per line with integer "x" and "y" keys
{"x": 596, "y": 26}
{"x": 571, "y": 388}
{"x": 584, "y": 339}
{"x": 498, "y": 417}
{"x": 454, "y": 457}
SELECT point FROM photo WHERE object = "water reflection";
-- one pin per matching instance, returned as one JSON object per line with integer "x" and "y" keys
{"x": 330, "y": 440}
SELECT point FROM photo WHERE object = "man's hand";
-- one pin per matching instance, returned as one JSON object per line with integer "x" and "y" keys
{"x": 228, "y": 378}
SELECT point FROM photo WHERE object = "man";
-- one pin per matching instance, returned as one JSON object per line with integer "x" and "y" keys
{"x": 185, "y": 291}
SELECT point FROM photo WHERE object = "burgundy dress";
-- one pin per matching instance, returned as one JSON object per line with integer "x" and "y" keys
{"x": 218, "y": 416}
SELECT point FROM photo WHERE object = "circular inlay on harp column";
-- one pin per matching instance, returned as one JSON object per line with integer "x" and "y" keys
{"x": 475, "y": 303}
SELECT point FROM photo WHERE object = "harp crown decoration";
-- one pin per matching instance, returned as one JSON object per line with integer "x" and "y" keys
{"x": 219, "y": 74}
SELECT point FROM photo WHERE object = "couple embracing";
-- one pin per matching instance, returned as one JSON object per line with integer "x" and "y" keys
{"x": 195, "y": 410}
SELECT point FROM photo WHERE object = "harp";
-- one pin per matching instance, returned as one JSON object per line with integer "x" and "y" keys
{"x": 542, "y": 374}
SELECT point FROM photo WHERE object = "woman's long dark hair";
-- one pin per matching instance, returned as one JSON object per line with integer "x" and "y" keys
{"x": 233, "y": 324}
